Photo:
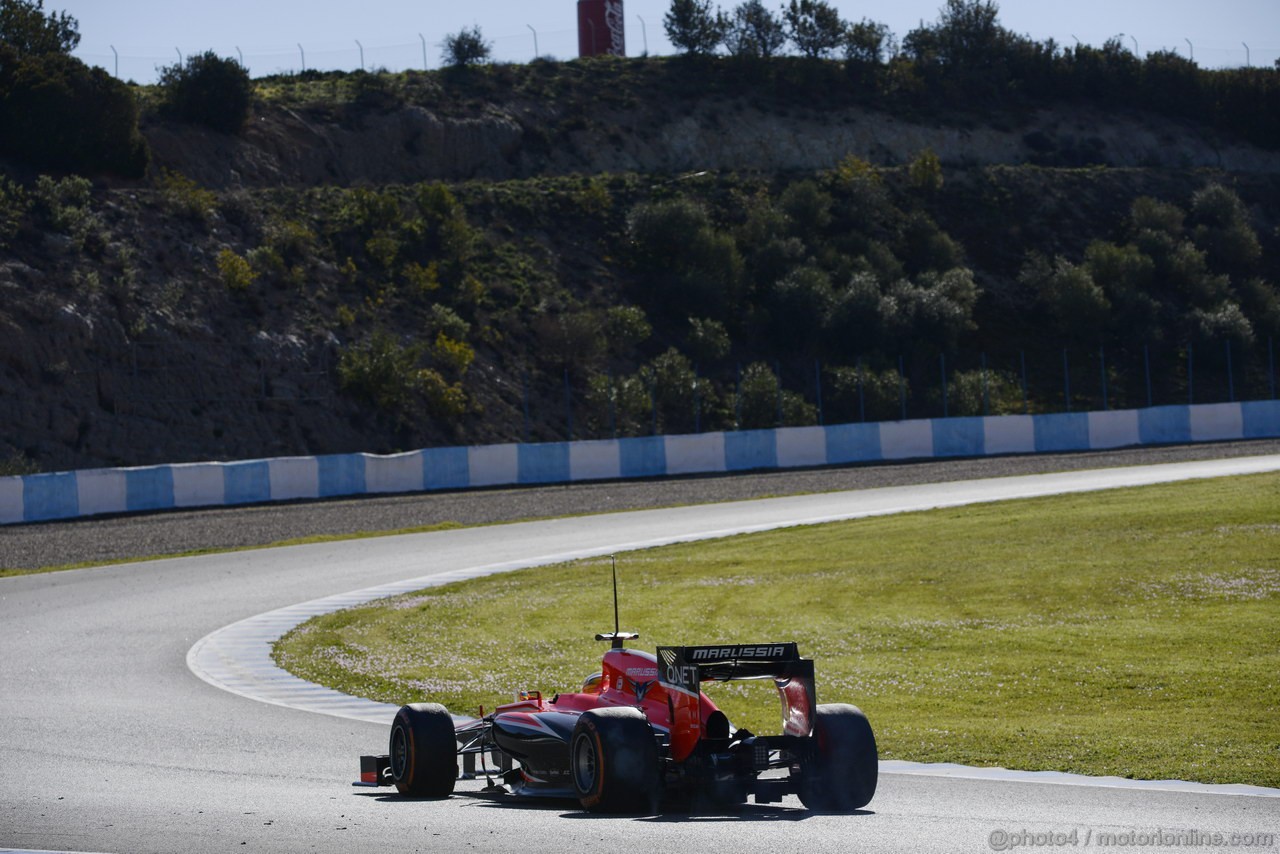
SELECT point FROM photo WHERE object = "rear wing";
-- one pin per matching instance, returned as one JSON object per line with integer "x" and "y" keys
{"x": 682, "y": 669}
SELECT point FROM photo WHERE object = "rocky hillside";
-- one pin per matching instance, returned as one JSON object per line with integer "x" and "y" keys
{"x": 387, "y": 262}
{"x": 613, "y": 117}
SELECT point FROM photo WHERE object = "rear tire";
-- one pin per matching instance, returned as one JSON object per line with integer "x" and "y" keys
{"x": 841, "y": 775}
{"x": 613, "y": 760}
{"x": 424, "y": 751}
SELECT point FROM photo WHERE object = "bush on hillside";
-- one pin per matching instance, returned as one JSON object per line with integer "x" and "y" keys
{"x": 208, "y": 90}
{"x": 58, "y": 114}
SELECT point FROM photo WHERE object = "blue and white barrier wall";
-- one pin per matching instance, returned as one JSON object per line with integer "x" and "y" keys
{"x": 65, "y": 495}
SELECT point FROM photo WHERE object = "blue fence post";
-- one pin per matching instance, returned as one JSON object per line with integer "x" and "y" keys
{"x": 777, "y": 371}
{"x": 737, "y": 401}
{"x": 1191, "y": 375}
{"x": 862, "y": 397}
{"x": 613, "y": 412}
{"x": 524, "y": 405}
{"x": 568, "y": 405}
{"x": 1271, "y": 367}
{"x": 697, "y": 401}
{"x": 1146, "y": 369}
{"x": 986, "y": 394}
{"x": 942, "y": 368}
{"x": 1102, "y": 362}
{"x": 653, "y": 401}
{"x": 817, "y": 384}
{"x": 902, "y": 387}
{"x": 1231, "y": 380}
{"x": 1026, "y": 403}
{"x": 1066, "y": 379}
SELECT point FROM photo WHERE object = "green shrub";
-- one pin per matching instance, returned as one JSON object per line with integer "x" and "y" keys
{"x": 857, "y": 392}
{"x": 186, "y": 197}
{"x": 757, "y": 400}
{"x": 967, "y": 389}
{"x": 627, "y": 326}
{"x": 1074, "y": 300}
{"x": 25, "y": 27}
{"x": 1221, "y": 228}
{"x": 208, "y": 90}
{"x": 466, "y": 47}
{"x": 236, "y": 272}
{"x": 694, "y": 269}
{"x": 444, "y": 399}
{"x": 292, "y": 239}
{"x": 674, "y": 386}
{"x": 14, "y": 205}
{"x": 709, "y": 341}
{"x": 18, "y": 464}
{"x": 61, "y": 203}
{"x": 454, "y": 356}
{"x": 807, "y": 206}
{"x": 925, "y": 172}
{"x": 422, "y": 278}
{"x": 1223, "y": 322}
{"x": 694, "y": 26}
{"x": 58, "y": 114}
{"x": 445, "y": 321}
{"x": 381, "y": 371}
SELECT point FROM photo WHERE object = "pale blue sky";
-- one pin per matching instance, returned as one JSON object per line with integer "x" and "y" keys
{"x": 151, "y": 33}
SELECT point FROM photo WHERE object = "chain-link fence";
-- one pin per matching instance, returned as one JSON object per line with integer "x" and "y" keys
{"x": 759, "y": 395}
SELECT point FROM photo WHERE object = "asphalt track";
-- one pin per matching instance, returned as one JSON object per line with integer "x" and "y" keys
{"x": 109, "y": 742}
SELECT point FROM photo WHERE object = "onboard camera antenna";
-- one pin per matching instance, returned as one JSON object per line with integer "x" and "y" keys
{"x": 616, "y": 637}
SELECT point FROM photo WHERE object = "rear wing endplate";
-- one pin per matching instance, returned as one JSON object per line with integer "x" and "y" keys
{"x": 683, "y": 669}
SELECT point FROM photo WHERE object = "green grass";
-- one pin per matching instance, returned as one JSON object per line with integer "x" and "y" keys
{"x": 1130, "y": 632}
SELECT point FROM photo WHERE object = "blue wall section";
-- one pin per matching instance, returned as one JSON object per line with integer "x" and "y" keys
{"x": 643, "y": 456}
{"x": 751, "y": 449}
{"x": 1261, "y": 419}
{"x": 959, "y": 437}
{"x": 1164, "y": 425}
{"x": 50, "y": 496}
{"x": 446, "y": 468}
{"x": 1064, "y": 431}
{"x": 543, "y": 463}
{"x": 341, "y": 474}
{"x": 35, "y": 498}
{"x": 149, "y": 489}
{"x": 853, "y": 443}
{"x": 247, "y": 483}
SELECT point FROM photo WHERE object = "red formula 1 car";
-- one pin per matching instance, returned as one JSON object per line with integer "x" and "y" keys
{"x": 641, "y": 733}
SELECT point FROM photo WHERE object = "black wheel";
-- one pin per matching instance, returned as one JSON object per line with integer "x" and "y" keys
{"x": 424, "y": 751}
{"x": 613, "y": 760}
{"x": 841, "y": 774}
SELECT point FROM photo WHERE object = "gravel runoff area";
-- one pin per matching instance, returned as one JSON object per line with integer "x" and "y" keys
{"x": 115, "y": 538}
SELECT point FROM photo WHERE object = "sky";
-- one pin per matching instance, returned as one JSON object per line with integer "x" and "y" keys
{"x": 272, "y": 36}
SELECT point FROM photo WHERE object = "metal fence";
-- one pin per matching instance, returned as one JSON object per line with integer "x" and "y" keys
{"x": 570, "y": 405}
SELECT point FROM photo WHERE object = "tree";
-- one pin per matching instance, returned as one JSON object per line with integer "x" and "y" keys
{"x": 815, "y": 27}
{"x": 755, "y": 31}
{"x": 56, "y": 113}
{"x": 466, "y": 47}
{"x": 25, "y": 27}
{"x": 867, "y": 42}
{"x": 208, "y": 90}
{"x": 693, "y": 27}
{"x": 969, "y": 33}
{"x": 1073, "y": 299}
{"x": 925, "y": 172}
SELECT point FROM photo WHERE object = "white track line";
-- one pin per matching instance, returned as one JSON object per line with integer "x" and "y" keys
{"x": 237, "y": 658}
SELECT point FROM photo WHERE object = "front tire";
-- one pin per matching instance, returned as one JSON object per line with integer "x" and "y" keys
{"x": 613, "y": 760}
{"x": 841, "y": 775}
{"x": 424, "y": 751}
